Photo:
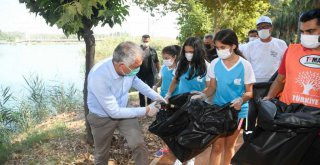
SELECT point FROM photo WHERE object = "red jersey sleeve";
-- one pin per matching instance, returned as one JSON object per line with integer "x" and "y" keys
{"x": 282, "y": 68}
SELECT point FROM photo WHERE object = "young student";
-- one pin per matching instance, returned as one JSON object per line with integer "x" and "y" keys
{"x": 192, "y": 68}
{"x": 231, "y": 80}
{"x": 169, "y": 56}
{"x": 191, "y": 74}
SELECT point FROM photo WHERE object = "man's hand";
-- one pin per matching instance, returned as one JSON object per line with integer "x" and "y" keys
{"x": 160, "y": 99}
{"x": 153, "y": 109}
{"x": 198, "y": 96}
{"x": 236, "y": 103}
{"x": 267, "y": 98}
{"x": 167, "y": 97}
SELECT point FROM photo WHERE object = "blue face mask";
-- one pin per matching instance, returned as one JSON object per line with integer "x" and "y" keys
{"x": 133, "y": 72}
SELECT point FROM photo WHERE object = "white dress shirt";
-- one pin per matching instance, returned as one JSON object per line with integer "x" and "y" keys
{"x": 108, "y": 92}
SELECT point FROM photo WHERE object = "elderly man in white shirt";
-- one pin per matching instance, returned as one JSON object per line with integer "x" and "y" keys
{"x": 109, "y": 83}
{"x": 265, "y": 55}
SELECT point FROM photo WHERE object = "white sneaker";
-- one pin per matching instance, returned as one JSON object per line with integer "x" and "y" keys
{"x": 189, "y": 162}
{"x": 177, "y": 162}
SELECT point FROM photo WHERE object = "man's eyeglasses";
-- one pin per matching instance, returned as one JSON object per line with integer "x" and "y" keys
{"x": 263, "y": 27}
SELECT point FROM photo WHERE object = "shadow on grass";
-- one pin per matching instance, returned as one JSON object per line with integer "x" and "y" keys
{"x": 31, "y": 140}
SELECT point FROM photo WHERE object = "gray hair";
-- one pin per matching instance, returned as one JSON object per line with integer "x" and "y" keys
{"x": 127, "y": 52}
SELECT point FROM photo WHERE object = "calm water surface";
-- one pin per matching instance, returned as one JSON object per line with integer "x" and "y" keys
{"x": 55, "y": 64}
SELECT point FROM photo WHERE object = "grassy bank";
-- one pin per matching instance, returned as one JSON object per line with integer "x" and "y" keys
{"x": 20, "y": 113}
{"x": 60, "y": 139}
{"x": 57, "y": 140}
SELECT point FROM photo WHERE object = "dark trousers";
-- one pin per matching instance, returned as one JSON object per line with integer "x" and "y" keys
{"x": 150, "y": 82}
{"x": 252, "y": 118}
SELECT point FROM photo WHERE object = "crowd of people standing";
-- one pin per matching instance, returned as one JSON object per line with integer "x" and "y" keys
{"x": 217, "y": 70}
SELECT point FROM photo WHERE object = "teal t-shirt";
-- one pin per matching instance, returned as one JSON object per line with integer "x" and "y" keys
{"x": 197, "y": 83}
{"x": 167, "y": 75}
{"x": 231, "y": 82}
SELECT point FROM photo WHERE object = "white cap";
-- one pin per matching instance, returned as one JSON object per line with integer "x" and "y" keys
{"x": 264, "y": 19}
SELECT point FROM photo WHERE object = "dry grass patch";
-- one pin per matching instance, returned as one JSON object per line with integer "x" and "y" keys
{"x": 61, "y": 140}
{"x": 58, "y": 140}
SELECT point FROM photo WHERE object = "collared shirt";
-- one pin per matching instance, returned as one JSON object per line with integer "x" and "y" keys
{"x": 108, "y": 92}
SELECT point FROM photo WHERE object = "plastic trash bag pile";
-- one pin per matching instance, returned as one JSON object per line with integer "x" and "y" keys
{"x": 188, "y": 127}
{"x": 285, "y": 134}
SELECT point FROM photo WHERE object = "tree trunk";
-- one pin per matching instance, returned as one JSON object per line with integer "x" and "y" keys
{"x": 90, "y": 53}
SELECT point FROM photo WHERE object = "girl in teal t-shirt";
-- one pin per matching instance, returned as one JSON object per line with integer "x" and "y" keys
{"x": 169, "y": 56}
{"x": 231, "y": 80}
{"x": 191, "y": 73}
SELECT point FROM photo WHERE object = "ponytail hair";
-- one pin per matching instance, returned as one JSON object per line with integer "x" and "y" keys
{"x": 229, "y": 37}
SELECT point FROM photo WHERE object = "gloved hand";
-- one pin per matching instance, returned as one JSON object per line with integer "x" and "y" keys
{"x": 198, "y": 96}
{"x": 236, "y": 103}
{"x": 154, "y": 108}
{"x": 155, "y": 88}
{"x": 167, "y": 97}
{"x": 160, "y": 99}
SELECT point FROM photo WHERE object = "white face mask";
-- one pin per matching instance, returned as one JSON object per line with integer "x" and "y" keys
{"x": 264, "y": 33}
{"x": 252, "y": 38}
{"x": 168, "y": 62}
{"x": 189, "y": 56}
{"x": 310, "y": 41}
{"x": 145, "y": 44}
{"x": 224, "y": 53}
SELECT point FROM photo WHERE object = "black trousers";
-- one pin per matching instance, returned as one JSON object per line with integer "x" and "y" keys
{"x": 150, "y": 82}
{"x": 252, "y": 118}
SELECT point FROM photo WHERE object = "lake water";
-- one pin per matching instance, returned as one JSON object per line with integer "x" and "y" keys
{"x": 55, "y": 64}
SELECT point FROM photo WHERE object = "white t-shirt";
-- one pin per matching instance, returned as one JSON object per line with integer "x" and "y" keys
{"x": 242, "y": 47}
{"x": 265, "y": 58}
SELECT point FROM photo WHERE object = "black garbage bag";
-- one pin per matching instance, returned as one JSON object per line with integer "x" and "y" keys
{"x": 171, "y": 119}
{"x": 260, "y": 90}
{"x": 190, "y": 126}
{"x": 274, "y": 148}
{"x": 276, "y": 114}
{"x": 285, "y": 134}
{"x": 312, "y": 155}
{"x": 208, "y": 122}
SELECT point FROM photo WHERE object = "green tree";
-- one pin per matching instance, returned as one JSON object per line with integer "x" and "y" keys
{"x": 285, "y": 14}
{"x": 239, "y": 15}
{"x": 194, "y": 21}
{"x": 79, "y": 17}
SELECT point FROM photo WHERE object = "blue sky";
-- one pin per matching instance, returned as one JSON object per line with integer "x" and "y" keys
{"x": 15, "y": 17}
